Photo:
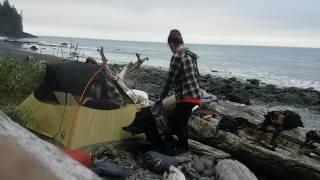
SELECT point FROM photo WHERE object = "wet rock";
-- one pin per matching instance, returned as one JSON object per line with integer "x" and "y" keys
{"x": 206, "y": 162}
{"x": 254, "y": 81}
{"x": 198, "y": 166}
{"x": 230, "y": 80}
{"x": 34, "y": 48}
{"x": 64, "y": 44}
{"x": 208, "y": 172}
{"x": 237, "y": 98}
{"x": 195, "y": 157}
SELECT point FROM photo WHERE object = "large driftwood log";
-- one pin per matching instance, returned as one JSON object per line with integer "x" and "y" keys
{"x": 19, "y": 164}
{"x": 203, "y": 149}
{"x": 239, "y": 171}
{"x": 50, "y": 159}
{"x": 226, "y": 168}
{"x": 248, "y": 145}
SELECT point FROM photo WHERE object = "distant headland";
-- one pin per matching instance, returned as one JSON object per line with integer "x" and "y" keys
{"x": 11, "y": 22}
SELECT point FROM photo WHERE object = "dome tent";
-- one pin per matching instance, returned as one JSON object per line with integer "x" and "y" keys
{"x": 79, "y": 104}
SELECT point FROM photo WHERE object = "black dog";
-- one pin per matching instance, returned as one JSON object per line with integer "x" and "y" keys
{"x": 232, "y": 125}
{"x": 281, "y": 120}
{"x": 311, "y": 137}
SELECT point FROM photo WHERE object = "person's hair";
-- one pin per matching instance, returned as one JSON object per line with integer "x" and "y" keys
{"x": 175, "y": 37}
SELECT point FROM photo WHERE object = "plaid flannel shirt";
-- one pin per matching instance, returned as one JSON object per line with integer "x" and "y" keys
{"x": 185, "y": 75}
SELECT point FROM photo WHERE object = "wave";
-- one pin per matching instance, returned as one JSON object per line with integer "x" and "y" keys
{"x": 267, "y": 78}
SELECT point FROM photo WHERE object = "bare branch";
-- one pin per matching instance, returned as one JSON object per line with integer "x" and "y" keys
{"x": 131, "y": 66}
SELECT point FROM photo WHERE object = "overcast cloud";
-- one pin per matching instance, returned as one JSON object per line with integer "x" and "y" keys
{"x": 268, "y": 22}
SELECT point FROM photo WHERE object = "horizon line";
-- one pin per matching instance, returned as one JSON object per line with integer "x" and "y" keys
{"x": 214, "y": 44}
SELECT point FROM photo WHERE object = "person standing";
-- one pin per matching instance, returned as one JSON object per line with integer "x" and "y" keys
{"x": 184, "y": 74}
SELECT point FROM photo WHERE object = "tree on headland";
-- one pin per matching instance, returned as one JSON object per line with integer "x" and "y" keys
{"x": 10, "y": 21}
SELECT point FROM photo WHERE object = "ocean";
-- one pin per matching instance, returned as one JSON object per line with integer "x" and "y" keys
{"x": 281, "y": 66}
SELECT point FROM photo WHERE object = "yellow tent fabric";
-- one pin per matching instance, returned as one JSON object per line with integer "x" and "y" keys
{"x": 76, "y": 126}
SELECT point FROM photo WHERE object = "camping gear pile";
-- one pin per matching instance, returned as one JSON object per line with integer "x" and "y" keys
{"x": 132, "y": 159}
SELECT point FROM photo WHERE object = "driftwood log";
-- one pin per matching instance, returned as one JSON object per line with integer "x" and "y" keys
{"x": 203, "y": 149}
{"x": 226, "y": 168}
{"x": 250, "y": 145}
{"x": 131, "y": 66}
{"x": 34, "y": 158}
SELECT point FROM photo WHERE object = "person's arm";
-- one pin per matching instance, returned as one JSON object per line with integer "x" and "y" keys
{"x": 175, "y": 65}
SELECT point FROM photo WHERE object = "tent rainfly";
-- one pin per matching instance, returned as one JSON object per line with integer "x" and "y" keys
{"x": 79, "y": 104}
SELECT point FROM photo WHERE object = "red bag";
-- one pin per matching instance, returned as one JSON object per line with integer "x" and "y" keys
{"x": 84, "y": 157}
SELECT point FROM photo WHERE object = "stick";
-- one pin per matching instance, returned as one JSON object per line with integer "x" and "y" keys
{"x": 101, "y": 52}
{"x": 131, "y": 66}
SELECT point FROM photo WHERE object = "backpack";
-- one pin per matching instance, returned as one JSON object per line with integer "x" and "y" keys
{"x": 153, "y": 122}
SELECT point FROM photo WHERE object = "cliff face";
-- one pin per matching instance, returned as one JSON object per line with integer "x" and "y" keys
{"x": 11, "y": 22}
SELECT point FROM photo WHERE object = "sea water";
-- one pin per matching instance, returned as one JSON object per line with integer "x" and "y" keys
{"x": 282, "y": 66}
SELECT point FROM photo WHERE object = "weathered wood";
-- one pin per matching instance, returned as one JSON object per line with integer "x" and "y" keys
{"x": 253, "y": 113}
{"x": 247, "y": 146}
{"x": 105, "y": 62}
{"x": 103, "y": 57}
{"x": 239, "y": 171}
{"x": 19, "y": 164}
{"x": 130, "y": 67}
{"x": 203, "y": 149}
{"x": 49, "y": 156}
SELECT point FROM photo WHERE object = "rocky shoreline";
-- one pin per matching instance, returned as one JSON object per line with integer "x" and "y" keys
{"x": 250, "y": 92}
{"x": 305, "y": 102}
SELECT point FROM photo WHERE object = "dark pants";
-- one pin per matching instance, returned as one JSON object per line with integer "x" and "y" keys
{"x": 179, "y": 123}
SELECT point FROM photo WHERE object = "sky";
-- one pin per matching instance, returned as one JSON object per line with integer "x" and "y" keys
{"x": 246, "y": 22}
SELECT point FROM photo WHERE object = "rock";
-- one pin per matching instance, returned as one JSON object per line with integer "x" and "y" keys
{"x": 206, "y": 162}
{"x": 34, "y": 48}
{"x": 198, "y": 166}
{"x": 205, "y": 178}
{"x": 254, "y": 81}
{"x": 237, "y": 98}
{"x": 195, "y": 158}
{"x": 64, "y": 44}
{"x": 233, "y": 170}
{"x": 208, "y": 172}
{"x": 207, "y": 76}
{"x": 190, "y": 172}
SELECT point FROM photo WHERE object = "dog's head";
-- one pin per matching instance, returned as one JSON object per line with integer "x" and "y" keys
{"x": 276, "y": 117}
{"x": 286, "y": 119}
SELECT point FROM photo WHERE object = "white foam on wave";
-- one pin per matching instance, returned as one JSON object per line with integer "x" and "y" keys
{"x": 265, "y": 77}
